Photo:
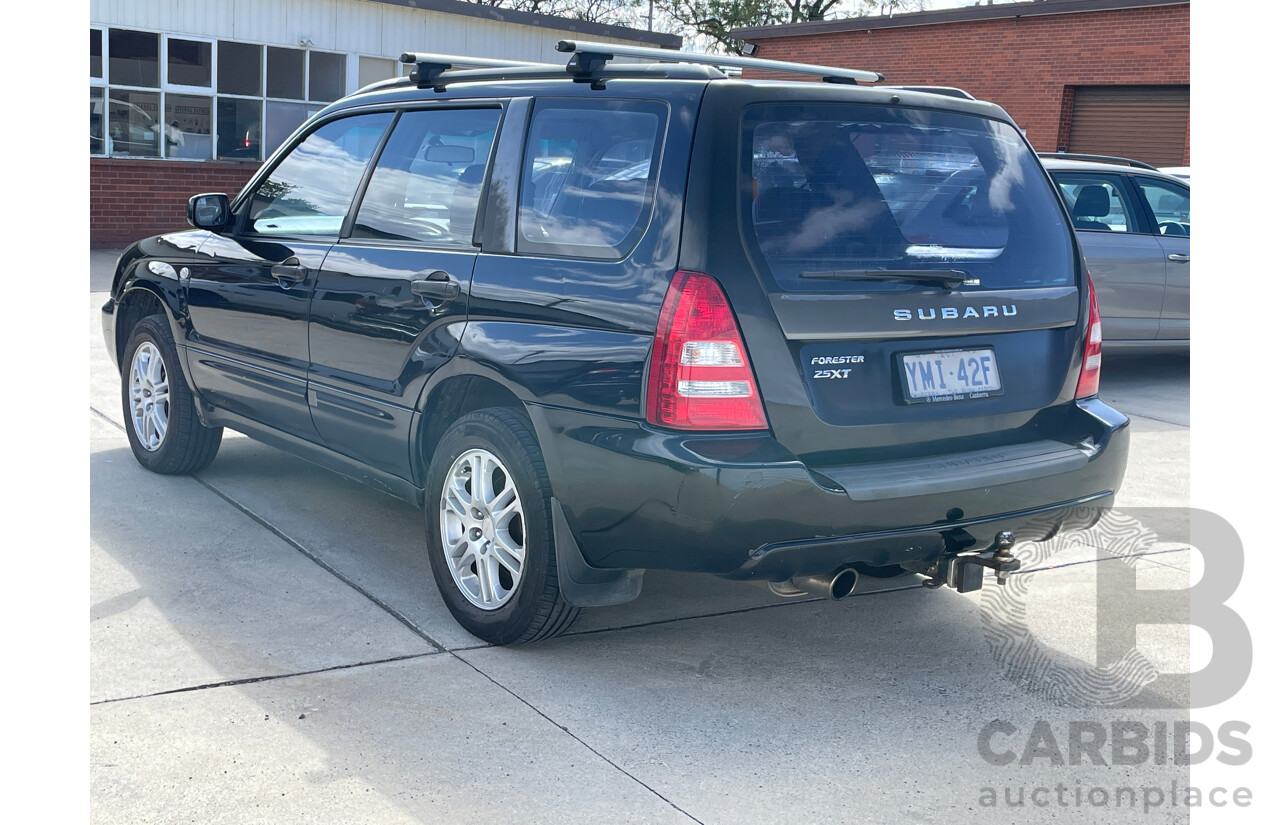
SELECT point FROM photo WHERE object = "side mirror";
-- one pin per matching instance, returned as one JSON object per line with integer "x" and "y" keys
{"x": 211, "y": 212}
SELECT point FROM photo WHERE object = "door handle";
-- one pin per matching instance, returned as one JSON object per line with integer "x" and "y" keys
{"x": 1179, "y": 258}
{"x": 288, "y": 272}
{"x": 439, "y": 286}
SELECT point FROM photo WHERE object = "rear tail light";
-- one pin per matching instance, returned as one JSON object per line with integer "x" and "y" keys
{"x": 1091, "y": 364}
{"x": 700, "y": 377}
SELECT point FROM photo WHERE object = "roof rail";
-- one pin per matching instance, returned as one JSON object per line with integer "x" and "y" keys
{"x": 1097, "y": 159}
{"x": 590, "y": 56}
{"x": 949, "y": 91}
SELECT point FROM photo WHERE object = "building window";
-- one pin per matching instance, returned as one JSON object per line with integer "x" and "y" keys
{"x": 239, "y": 128}
{"x": 282, "y": 119}
{"x": 239, "y": 68}
{"x": 135, "y": 58}
{"x": 373, "y": 69}
{"x": 97, "y": 120}
{"x": 190, "y": 63}
{"x": 328, "y": 76}
{"x": 159, "y": 96}
{"x": 188, "y": 126}
{"x": 286, "y": 73}
{"x": 132, "y": 129}
{"x": 95, "y": 53}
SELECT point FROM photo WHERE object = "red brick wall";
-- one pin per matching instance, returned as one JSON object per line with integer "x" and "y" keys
{"x": 131, "y": 199}
{"x": 1023, "y": 64}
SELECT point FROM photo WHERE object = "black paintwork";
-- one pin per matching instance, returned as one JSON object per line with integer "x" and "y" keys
{"x": 352, "y": 369}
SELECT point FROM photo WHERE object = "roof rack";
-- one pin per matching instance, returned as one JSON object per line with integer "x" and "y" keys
{"x": 590, "y": 56}
{"x": 589, "y": 63}
{"x": 1097, "y": 159}
{"x": 436, "y": 71}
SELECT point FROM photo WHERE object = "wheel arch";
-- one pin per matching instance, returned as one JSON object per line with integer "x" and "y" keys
{"x": 448, "y": 400}
{"x": 138, "y": 301}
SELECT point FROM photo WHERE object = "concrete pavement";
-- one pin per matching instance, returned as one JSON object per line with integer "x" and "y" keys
{"x": 267, "y": 646}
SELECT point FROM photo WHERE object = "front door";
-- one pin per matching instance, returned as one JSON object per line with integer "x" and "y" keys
{"x": 391, "y": 300}
{"x": 249, "y": 297}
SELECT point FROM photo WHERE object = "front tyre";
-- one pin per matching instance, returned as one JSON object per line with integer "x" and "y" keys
{"x": 164, "y": 430}
{"x": 489, "y": 533}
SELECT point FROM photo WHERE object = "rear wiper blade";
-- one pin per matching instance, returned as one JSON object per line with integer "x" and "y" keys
{"x": 950, "y": 278}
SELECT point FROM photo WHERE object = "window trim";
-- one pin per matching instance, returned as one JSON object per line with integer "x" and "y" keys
{"x": 524, "y": 247}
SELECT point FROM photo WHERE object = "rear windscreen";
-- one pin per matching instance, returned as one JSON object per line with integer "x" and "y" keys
{"x": 841, "y": 192}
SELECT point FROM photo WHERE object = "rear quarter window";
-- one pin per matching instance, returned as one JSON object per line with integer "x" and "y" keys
{"x": 588, "y": 177}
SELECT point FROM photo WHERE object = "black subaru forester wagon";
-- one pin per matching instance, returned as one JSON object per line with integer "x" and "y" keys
{"x": 605, "y": 317}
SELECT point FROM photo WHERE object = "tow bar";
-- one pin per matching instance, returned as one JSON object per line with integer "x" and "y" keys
{"x": 963, "y": 570}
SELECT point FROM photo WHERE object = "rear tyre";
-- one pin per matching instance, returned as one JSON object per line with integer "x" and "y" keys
{"x": 164, "y": 430}
{"x": 489, "y": 533}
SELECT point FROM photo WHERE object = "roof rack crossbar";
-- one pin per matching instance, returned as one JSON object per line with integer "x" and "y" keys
{"x": 607, "y": 51}
{"x": 428, "y": 67}
{"x": 1098, "y": 159}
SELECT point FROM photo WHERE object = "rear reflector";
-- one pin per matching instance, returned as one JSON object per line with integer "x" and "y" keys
{"x": 1091, "y": 363}
{"x": 700, "y": 376}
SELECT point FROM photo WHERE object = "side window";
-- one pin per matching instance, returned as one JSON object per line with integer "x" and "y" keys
{"x": 310, "y": 191}
{"x": 1097, "y": 202}
{"x": 426, "y": 186}
{"x": 589, "y": 173}
{"x": 1170, "y": 203}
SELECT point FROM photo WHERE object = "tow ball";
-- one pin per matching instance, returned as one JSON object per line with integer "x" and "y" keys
{"x": 963, "y": 571}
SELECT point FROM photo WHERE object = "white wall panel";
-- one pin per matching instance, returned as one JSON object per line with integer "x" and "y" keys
{"x": 353, "y": 26}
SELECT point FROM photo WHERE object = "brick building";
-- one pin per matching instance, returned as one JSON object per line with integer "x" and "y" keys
{"x": 1097, "y": 76}
{"x": 190, "y": 96}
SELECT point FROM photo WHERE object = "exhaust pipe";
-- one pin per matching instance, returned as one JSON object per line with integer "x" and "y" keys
{"x": 834, "y": 586}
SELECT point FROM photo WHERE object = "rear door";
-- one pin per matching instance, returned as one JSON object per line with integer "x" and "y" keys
{"x": 391, "y": 301}
{"x": 1170, "y": 214}
{"x": 248, "y": 301}
{"x": 1126, "y": 261}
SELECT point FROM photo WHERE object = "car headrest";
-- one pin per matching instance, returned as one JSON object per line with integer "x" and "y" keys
{"x": 1092, "y": 202}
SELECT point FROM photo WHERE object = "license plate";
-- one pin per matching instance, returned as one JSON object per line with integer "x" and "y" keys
{"x": 956, "y": 375}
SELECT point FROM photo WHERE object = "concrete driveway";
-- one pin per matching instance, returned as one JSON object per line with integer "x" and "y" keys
{"x": 267, "y": 645}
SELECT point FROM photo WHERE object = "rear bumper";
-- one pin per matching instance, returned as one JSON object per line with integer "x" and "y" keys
{"x": 743, "y": 507}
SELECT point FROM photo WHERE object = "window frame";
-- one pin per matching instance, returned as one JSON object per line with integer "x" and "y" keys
{"x": 524, "y": 247}
{"x": 501, "y": 104}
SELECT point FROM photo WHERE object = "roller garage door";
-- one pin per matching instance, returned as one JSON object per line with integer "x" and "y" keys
{"x": 1147, "y": 123}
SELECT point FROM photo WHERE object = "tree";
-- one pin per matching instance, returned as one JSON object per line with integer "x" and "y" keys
{"x": 616, "y": 12}
{"x": 714, "y": 19}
